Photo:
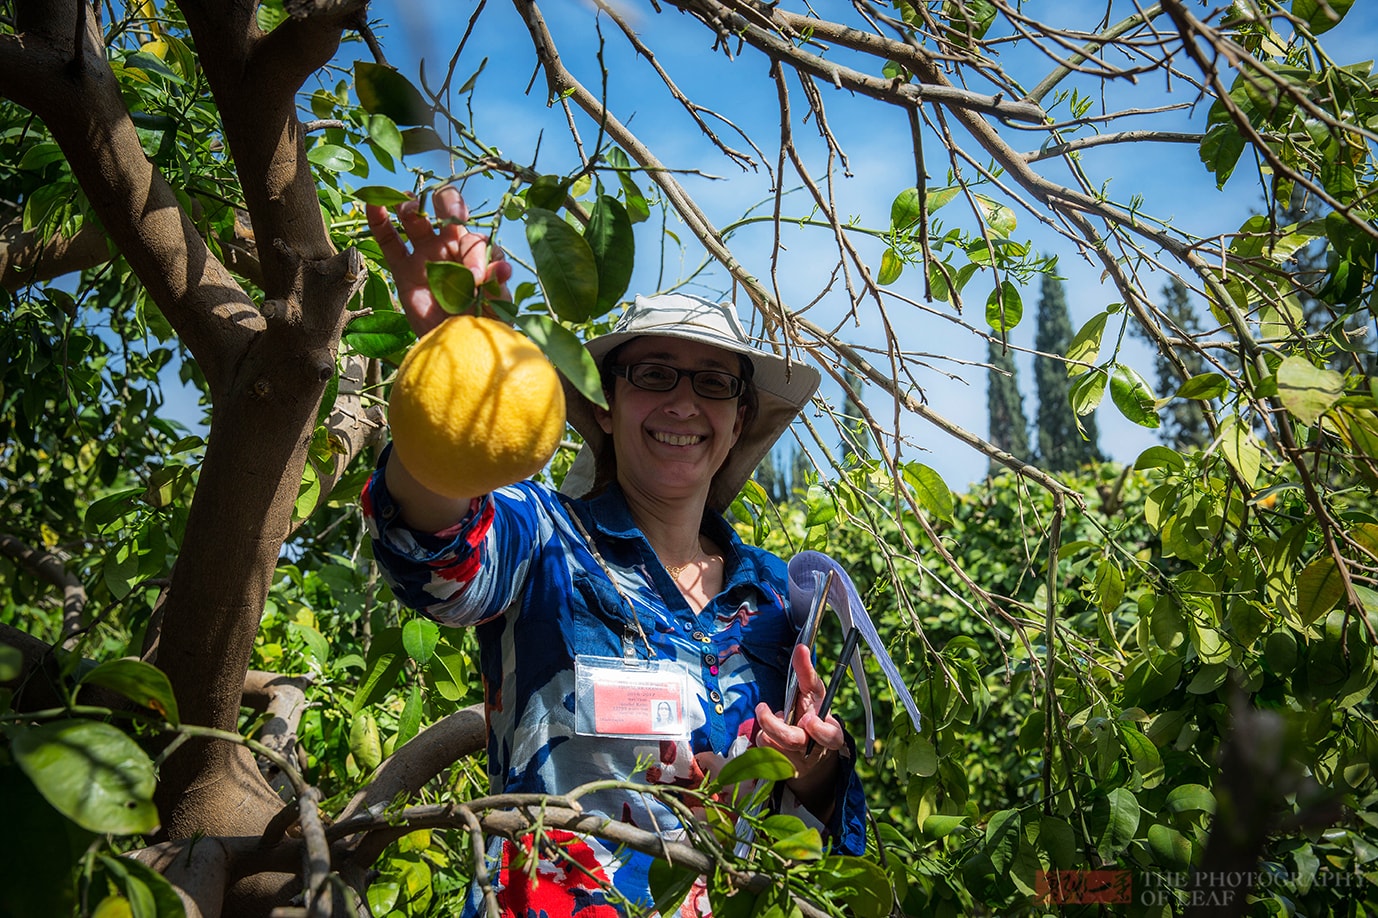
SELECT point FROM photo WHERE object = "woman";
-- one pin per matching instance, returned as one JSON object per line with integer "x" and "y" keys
{"x": 600, "y": 607}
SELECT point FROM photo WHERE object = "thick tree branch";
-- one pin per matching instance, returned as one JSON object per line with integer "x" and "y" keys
{"x": 29, "y": 258}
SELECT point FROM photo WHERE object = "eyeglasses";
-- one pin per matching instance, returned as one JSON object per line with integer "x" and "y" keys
{"x": 656, "y": 377}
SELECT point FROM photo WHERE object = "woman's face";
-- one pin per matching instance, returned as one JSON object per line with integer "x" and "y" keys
{"x": 670, "y": 444}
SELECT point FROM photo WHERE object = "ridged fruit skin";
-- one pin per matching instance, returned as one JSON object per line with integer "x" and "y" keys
{"x": 475, "y": 406}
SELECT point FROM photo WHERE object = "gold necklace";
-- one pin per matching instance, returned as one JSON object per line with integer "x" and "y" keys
{"x": 677, "y": 569}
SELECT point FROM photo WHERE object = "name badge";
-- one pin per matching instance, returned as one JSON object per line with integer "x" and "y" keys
{"x": 636, "y": 699}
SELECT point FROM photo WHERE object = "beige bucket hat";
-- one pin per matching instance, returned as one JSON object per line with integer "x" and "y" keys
{"x": 783, "y": 386}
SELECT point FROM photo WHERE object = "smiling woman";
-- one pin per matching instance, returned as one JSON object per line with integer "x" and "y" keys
{"x": 627, "y": 634}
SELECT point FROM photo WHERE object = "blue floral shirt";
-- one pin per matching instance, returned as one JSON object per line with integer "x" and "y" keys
{"x": 521, "y": 568}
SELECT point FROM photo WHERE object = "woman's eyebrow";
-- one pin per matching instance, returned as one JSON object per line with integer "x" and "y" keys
{"x": 712, "y": 363}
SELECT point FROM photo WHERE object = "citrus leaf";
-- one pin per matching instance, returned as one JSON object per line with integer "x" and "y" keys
{"x": 383, "y": 131}
{"x": 384, "y": 91}
{"x": 1190, "y": 798}
{"x": 567, "y": 353}
{"x": 610, "y": 237}
{"x": 364, "y": 742}
{"x": 381, "y": 194}
{"x": 564, "y": 264}
{"x": 1306, "y": 390}
{"x": 890, "y": 268}
{"x": 1086, "y": 393}
{"x": 409, "y": 721}
{"x": 1205, "y": 387}
{"x": 378, "y": 334}
{"x": 862, "y": 885}
{"x": 92, "y": 773}
{"x": 331, "y": 156}
{"x": 1085, "y": 346}
{"x": 1132, "y": 396}
{"x": 1237, "y": 446}
{"x": 419, "y": 637}
{"x": 138, "y": 681}
{"x": 386, "y": 656}
{"x": 1004, "y": 307}
{"x": 1160, "y": 457}
{"x": 999, "y": 218}
{"x": 930, "y": 490}
{"x": 421, "y": 140}
{"x": 758, "y": 763}
{"x": 145, "y": 888}
{"x": 1321, "y": 15}
{"x": 1319, "y": 587}
{"x": 1114, "y": 819}
{"x": 669, "y": 885}
{"x": 452, "y": 285}
{"x": 1170, "y": 847}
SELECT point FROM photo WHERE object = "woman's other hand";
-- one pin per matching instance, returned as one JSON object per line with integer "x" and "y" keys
{"x": 817, "y": 770}
{"x": 451, "y": 241}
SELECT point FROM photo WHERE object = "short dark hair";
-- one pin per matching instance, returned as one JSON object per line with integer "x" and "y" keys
{"x": 605, "y": 463}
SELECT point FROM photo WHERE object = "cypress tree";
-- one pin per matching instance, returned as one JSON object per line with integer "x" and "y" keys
{"x": 1061, "y": 445}
{"x": 1009, "y": 428}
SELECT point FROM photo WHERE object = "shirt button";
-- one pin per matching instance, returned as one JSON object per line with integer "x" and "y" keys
{"x": 711, "y": 659}
{"x": 714, "y": 696}
{"x": 718, "y": 708}
{"x": 389, "y": 512}
{"x": 698, "y": 635}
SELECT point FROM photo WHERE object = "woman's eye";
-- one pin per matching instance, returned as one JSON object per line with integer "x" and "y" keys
{"x": 657, "y": 376}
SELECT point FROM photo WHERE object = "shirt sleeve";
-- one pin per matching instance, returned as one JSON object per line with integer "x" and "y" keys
{"x": 468, "y": 573}
{"x": 846, "y": 830}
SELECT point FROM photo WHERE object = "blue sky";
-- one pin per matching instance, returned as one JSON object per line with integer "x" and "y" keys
{"x": 1171, "y": 181}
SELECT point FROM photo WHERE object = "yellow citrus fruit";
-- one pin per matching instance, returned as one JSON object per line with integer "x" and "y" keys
{"x": 475, "y": 406}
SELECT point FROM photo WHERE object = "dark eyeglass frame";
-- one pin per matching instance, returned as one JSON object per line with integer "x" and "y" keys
{"x": 629, "y": 372}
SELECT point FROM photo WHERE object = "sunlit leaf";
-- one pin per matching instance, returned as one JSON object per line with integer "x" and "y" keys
{"x": 610, "y": 237}
{"x": 564, "y": 349}
{"x": 1004, "y": 307}
{"x": 1240, "y": 451}
{"x": 364, "y": 742}
{"x": 452, "y": 285}
{"x": 759, "y": 763}
{"x": 419, "y": 637}
{"x": 564, "y": 264}
{"x": 1206, "y": 386}
{"x": 92, "y": 773}
{"x": 891, "y": 267}
{"x": 1085, "y": 346}
{"x": 1133, "y": 397}
{"x": 1086, "y": 393}
{"x": 140, "y": 682}
{"x": 1321, "y": 15}
{"x": 1320, "y": 586}
{"x": 1306, "y": 390}
{"x": 929, "y": 489}
{"x": 378, "y": 334}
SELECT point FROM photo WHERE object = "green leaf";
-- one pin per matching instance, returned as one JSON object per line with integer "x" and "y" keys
{"x": 1109, "y": 586}
{"x": 1238, "y": 448}
{"x": 364, "y": 742}
{"x": 1220, "y": 150}
{"x": 1170, "y": 848}
{"x": 1319, "y": 587}
{"x": 384, "y": 91}
{"x": 419, "y": 637}
{"x": 316, "y": 644}
{"x": 564, "y": 264}
{"x": 567, "y": 353}
{"x": 1004, "y": 307}
{"x": 938, "y": 825}
{"x": 383, "y": 131}
{"x": 547, "y": 192}
{"x": 331, "y": 157}
{"x": 452, "y": 285}
{"x": 1056, "y": 838}
{"x": 1114, "y": 819}
{"x": 1190, "y": 798}
{"x": 144, "y": 887}
{"x": 929, "y": 489}
{"x": 670, "y": 885}
{"x": 1085, "y": 346}
{"x": 999, "y": 218}
{"x": 861, "y": 884}
{"x": 1321, "y": 15}
{"x": 921, "y": 758}
{"x": 1160, "y": 457}
{"x": 1147, "y": 761}
{"x": 90, "y": 772}
{"x": 1133, "y": 397}
{"x": 378, "y": 334}
{"x": 138, "y": 681}
{"x": 386, "y": 656}
{"x": 806, "y": 845}
{"x": 421, "y": 140}
{"x": 1306, "y": 390}
{"x": 1002, "y": 838}
{"x": 891, "y": 267}
{"x": 409, "y": 721}
{"x": 758, "y": 763}
{"x": 1204, "y": 387}
{"x": 1086, "y": 393}
{"x": 905, "y": 210}
{"x": 610, "y": 237}
{"x": 112, "y": 507}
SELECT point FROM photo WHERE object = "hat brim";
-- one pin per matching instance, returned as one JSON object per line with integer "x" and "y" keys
{"x": 783, "y": 388}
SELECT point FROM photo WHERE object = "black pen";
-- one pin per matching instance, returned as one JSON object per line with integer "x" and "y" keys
{"x": 848, "y": 648}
